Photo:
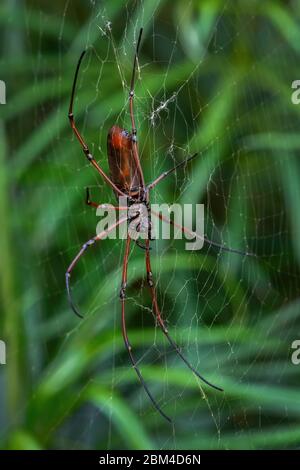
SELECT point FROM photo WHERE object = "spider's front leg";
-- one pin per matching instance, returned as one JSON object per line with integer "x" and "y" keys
{"x": 168, "y": 172}
{"x": 102, "y": 206}
{"x": 79, "y": 137}
{"x": 83, "y": 249}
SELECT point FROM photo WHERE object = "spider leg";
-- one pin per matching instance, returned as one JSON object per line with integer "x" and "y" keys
{"x": 125, "y": 335}
{"x": 203, "y": 237}
{"x": 84, "y": 146}
{"x": 143, "y": 247}
{"x": 168, "y": 172}
{"x": 162, "y": 323}
{"x": 102, "y": 206}
{"x": 88, "y": 201}
{"x": 131, "y": 96}
{"x": 78, "y": 256}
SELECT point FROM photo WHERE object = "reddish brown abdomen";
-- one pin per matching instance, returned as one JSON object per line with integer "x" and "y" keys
{"x": 121, "y": 162}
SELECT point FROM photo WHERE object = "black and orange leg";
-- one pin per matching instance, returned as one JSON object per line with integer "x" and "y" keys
{"x": 162, "y": 325}
{"x": 204, "y": 238}
{"x": 103, "y": 206}
{"x": 84, "y": 146}
{"x": 83, "y": 249}
{"x": 131, "y": 111}
{"x": 125, "y": 335}
{"x": 168, "y": 172}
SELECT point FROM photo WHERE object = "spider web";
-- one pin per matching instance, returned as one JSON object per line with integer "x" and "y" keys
{"x": 234, "y": 316}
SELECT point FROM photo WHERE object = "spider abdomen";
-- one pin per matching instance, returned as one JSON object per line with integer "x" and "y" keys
{"x": 123, "y": 170}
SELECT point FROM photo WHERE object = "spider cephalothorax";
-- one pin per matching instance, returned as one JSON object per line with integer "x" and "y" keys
{"x": 127, "y": 181}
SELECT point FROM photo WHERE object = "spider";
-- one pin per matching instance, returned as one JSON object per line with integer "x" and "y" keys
{"x": 126, "y": 179}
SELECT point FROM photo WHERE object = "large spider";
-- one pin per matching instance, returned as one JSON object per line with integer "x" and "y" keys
{"x": 127, "y": 180}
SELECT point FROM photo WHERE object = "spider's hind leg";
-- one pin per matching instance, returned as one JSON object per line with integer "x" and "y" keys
{"x": 140, "y": 245}
{"x": 162, "y": 325}
{"x": 125, "y": 335}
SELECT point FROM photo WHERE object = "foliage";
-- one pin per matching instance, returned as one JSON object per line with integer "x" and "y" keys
{"x": 69, "y": 384}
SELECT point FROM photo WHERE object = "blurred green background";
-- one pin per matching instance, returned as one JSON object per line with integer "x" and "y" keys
{"x": 214, "y": 77}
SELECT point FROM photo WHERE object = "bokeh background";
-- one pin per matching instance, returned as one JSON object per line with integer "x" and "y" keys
{"x": 214, "y": 77}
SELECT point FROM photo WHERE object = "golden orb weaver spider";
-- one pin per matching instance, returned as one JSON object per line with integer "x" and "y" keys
{"x": 127, "y": 180}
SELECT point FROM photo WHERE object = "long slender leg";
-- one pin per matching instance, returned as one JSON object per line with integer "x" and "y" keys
{"x": 84, "y": 146}
{"x": 168, "y": 172}
{"x": 202, "y": 237}
{"x": 161, "y": 322}
{"x": 78, "y": 256}
{"x": 103, "y": 206}
{"x": 143, "y": 247}
{"x": 125, "y": 336}
{"x": 131, "y": 96}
